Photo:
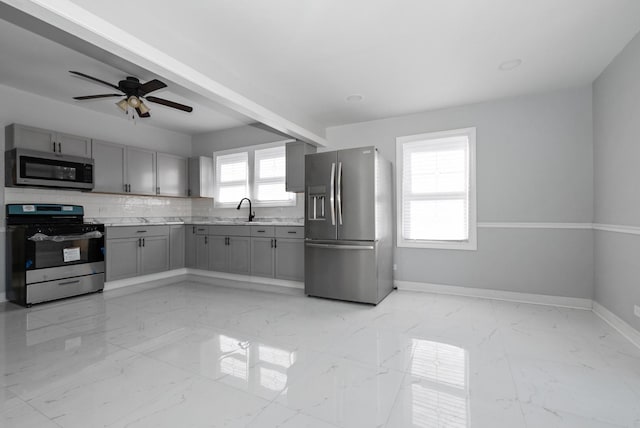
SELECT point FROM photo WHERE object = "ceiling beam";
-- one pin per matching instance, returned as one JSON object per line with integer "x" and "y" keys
{"x": 76, "y": 28}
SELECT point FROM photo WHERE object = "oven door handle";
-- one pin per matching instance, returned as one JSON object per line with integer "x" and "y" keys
{"x": 39, "y": 237}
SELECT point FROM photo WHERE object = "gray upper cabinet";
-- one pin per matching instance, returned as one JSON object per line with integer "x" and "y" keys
{"x": 45, "y": 140}
{"x": 171, "y": 175}
{"x": 201, "y": 177}
{"x": 141, "y": 171}
{"x": 109, "y": 167}
{"x": 295, "y": 153}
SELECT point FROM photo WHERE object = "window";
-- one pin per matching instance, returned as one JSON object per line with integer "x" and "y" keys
{"x": 436, "y": 190}
{"x": 256, "y": 172}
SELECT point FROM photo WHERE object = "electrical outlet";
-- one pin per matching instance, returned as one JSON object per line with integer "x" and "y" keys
{"x": 395, "y": 267}
{"x": 636, "y": 310}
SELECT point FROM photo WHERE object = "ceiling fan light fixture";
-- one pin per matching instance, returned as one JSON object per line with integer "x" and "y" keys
{"x": 143, "y": 108}
{"x": 134, "y": 101}
{"x": 123, "y": 105}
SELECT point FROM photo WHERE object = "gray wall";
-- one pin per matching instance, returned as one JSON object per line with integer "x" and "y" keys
{"x": 616, "y": 101}
{"x": 534, "y": 164}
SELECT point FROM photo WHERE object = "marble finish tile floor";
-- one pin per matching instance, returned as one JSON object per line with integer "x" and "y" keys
{"x": 196, "y": 355}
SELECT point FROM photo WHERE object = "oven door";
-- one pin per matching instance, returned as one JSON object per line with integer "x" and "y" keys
{"x": 63, "y": 251}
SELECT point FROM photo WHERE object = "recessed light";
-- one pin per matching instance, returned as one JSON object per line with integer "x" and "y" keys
{"x": 354, "y": 98}
{"x": 510, "y": 65}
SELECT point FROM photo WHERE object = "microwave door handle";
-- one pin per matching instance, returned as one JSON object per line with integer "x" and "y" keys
{"x": 339, "y": 189}
{"x": 332, "y": 197}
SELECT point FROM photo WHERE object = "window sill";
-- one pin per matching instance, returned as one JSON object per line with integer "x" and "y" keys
{"x": 438, "y": 245}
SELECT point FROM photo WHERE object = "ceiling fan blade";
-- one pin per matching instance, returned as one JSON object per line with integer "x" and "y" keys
{"x": 90, "y": 97}
{"x": 150, "y": 86}
{"x": 141, "y": 114}
{"x": 111, "y": 85}
{"x": 168, "y": 103}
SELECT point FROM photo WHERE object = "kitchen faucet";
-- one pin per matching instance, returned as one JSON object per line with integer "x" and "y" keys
{"x": 251, "y": 214}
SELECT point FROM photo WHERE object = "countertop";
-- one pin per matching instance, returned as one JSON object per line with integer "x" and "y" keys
{"x": 155, "y": 221}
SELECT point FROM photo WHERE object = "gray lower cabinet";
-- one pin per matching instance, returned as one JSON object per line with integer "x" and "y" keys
{"x": 154, "y": 254}
{"x": 190, "y": 246}
{"x": 262, "y": 256}
{"x": 122, "y": 257}
{"x": 277, "y": 252}
{"x": 289, "y": 259}
{"x": 177, "y": 246}
{"x": 202, "y": 251}
{"x": 136, "y": 250}
{"x": 218, "y": 257}
{"x": 239, "y": 253}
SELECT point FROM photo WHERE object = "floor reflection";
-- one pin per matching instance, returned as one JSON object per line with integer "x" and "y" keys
{"x": 439, "y": 390}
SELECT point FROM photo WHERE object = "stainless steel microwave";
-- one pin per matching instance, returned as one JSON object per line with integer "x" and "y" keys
{"x": 32, "y": 168}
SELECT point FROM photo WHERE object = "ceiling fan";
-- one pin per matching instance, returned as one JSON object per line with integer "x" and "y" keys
{"x": 134, "y": 93}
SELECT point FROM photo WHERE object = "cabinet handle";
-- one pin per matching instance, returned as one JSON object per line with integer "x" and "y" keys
{"x": 206, "y": 240}
{"x": 228, "y": 240}
{"x": 261, "y": 231}
{"x": 143, "y": 242}
{"x": 272, "y": 243}
{"x": 59, "y": 147}
{"x": 54, "y": 147}
{"x": 194, "y": 229}
{"x": 292, "y": 231}
{"x": 275, "y": 243}
{"x": 139, "y": 242}
{"x": 141, "y": 231}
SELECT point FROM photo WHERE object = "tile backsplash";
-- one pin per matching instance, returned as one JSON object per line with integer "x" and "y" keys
{"x": 104, "y": 205}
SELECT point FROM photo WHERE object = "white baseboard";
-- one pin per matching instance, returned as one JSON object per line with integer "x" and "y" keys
{"x": 246, "y": 282}
{"x": 159, "y": 279}
{"x": 617, "y": 323}
{"x": 484, "y": 293}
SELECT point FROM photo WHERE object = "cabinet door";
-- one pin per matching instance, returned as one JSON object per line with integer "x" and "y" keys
{"x": 108, "y": 168}
{"x": 202, "y": 252}
{"x": 141, "y": 171}
{"x": 27, "y": 137}
{"x": 155, "y": 254}
{"x": 218, "y": 253}
{"x": 240, "y": 254}
{"x": 190, "y": 246}
{"x": 262, "y": 257}
{"x": 295, "y": 152}
{"x": 172, "y": 175}
{"x": 74, "y": 145}
{"x": 289, "y": 255}
{"x": 176, "y": 247}
{"x": 122, "y": 258}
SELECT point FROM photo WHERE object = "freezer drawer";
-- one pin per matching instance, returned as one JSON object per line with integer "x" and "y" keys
{"x": 343, "y": 271}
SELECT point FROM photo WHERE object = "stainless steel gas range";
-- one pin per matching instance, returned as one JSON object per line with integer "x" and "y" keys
{"x": 51, "y": 253}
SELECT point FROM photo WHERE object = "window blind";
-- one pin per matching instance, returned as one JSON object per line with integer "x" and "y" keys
{"x": 270, "y": 175}
{"x": 232, "y": 177}
{"x": 435, "y": 189}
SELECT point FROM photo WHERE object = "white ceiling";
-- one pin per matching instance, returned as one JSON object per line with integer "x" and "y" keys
{"x": 403, "y": 56}
{"x": 35, "y": 64}
{"x": 302, "y": 58}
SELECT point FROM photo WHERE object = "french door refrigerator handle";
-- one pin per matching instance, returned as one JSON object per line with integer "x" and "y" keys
{"x": 332, "y": 198}
{"x": 339, "y": 197}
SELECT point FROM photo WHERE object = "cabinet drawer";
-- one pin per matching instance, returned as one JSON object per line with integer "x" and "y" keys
{"x": 290, "y": 232}
{"x": 202, "y": 230}
{"x": 114, "y": 232}
{"x": 230, "y": 230}
{"x": 262, "y": 231}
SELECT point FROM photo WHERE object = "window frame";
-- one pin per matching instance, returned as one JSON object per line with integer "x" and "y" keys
{"x": 251, "y": 182}
{"x": 471, "y": 242}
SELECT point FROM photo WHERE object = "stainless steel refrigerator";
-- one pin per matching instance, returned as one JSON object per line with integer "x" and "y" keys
{"x": 348, "y": 215}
